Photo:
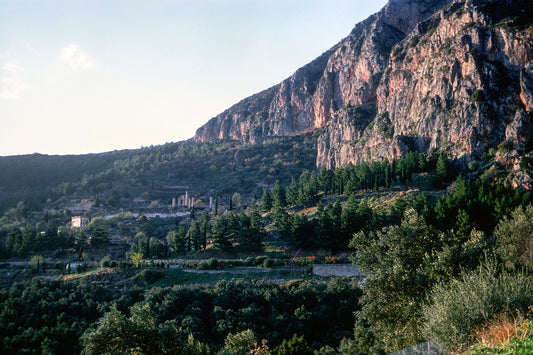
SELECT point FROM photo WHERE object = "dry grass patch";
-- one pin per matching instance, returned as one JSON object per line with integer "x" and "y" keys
{"x": 501, "y": 331}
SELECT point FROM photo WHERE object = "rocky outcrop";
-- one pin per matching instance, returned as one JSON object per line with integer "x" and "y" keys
{"x": 420, "y": 74}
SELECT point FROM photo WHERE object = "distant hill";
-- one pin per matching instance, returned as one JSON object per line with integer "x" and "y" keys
{"x": 158, "y": 172}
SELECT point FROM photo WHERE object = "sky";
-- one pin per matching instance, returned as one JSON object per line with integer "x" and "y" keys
{"x": 89, "y": 76}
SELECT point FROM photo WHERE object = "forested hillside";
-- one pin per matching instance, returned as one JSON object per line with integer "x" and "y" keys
{"x": 39, "y": 180}
{"x": 416, "y": 227}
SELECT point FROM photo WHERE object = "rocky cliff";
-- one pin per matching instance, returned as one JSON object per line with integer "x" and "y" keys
{"x": 454, "y": 76}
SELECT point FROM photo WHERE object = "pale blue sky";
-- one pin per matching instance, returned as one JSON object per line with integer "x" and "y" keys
{"x": 80, "y": 76}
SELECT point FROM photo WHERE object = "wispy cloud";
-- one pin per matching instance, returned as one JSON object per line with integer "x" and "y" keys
{"x": 12, "y": 68}
{"x": 12, "y": 84}
{"x": 75, "y": 57}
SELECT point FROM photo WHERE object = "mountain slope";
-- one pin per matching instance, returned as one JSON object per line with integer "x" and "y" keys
{"x": 420, "y": 74}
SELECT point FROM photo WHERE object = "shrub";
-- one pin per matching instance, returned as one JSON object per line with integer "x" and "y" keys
{"x": 474, "y": 300}
{"x": 295, "y": 345}
{"x": 212, "y": 263}
{"x": 514, "y": 238}
{"x": 268, "y": 263}
{"x": 203, "y": 266}
{"x": 478, "y": 96}
{"x": 239, "y": 343}
{"x": 148, "y": 276}
{"x": 59, "y": 265}
{"x": 106, "y": 261}
{"x": 259, "y": 259}
{"x": 249, "y": 261}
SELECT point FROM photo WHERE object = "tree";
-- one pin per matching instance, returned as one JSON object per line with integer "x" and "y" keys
{"x": 463, "y": 225}
{"x": 239, "y": 343}
{"x": 442, "y": 169}
{"x": 195, "y": 235}
{"x": 395, "y": 261}
{"x": 278, "y": 196}
{"x": 138, "y": 334}
{"x": 204, "y": 228}
{"x": 266, "y": 201}
{"x": 301, "y": 231}
{"x": 291, "y": 192}
{"x": 22, "y": 211}
{"x": 156, "y": 247}
{"x": 251, "y": 232}
{"x": 136, "y": 258}
{"x": 178, "y": 239}
{"x": 224, "y": 232}
{"x": 236, "y": 200}
{"x": 141, "y": 244}
{"x": 36, "y": 262}
{"x": 99, "y": 233}
{"x": 514, "y": 238}
{"x": 295, "y": 345}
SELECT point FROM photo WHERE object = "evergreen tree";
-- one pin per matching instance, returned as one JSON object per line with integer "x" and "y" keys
{"x": 224, "y": 232}
{"x": 266, "y": 200}
{"x": 442, "y": 169}
{"x": 278, "y": 196}
{"x": 204, "y": 227}
{"x": 178, "y": 239}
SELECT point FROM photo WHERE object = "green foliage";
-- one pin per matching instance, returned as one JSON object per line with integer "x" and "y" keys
{"x": 442, "y": 170}
{"x": 506, "y": 146}
{"x": 37, "y": 262}
{"x": 178, "y": 240}
{"x": 517, "y": 16}
{"x": 148, "y": 276}
{"x": 266, "y": 200}
{"x": 99, "y": 231}
{"x": 108, "y": 261}
{"x": 484, "y": 201}
{"x": 294, "y": 345}
{"x": 477, "y": 96}
{"x": 514, "y": 238}
{"x": 385, "y": 125}
{"x": 110, "y": 179}
{"x": 269, "y": 310}
{"x": 239, "y": 343}
{"x": 395, "y": 261}
{"x": 49, "y": 316}
{"x": 459, "y": 307}
{"x": 140, "y": 334}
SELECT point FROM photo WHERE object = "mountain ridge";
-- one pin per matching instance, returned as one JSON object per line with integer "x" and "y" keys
{"x": 425, "y": 75}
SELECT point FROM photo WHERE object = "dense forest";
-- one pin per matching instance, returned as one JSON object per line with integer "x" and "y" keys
{"x": 421, "y": 229}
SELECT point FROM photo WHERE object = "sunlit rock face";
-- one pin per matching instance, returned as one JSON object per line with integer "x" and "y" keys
{"x": 452, "y": 76}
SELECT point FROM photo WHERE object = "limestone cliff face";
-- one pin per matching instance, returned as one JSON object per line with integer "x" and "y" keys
{"x": 420, "y": 74}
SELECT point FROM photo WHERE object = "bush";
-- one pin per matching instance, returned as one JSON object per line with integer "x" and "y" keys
{"x": 59, "y": 265}
{"x": 148, "y": 276}
{"x": 296, "y": 345}
{"x": 478, "y": 96}
{"x": 514, "y": 238}
{"x": 202, "y": 266}
{"x": 106, "y": 261}
{"x": 259, "y": 259}
{"x": 239, "y": 343}
{"x": 475, "y": 299}
{"x": 249, "y": 261}
{"x": 268, "y": 263}
{"x": 212, "y": 263}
